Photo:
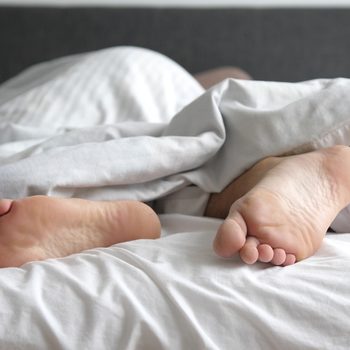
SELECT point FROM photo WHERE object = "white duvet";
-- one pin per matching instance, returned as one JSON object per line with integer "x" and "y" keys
{"x": 101, "y": 126}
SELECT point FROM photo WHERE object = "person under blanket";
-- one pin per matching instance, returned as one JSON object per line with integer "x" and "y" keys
{"x": 277, "y": 212}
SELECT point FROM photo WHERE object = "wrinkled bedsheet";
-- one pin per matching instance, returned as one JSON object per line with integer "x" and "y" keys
{"x": 175, "y": 293}
{"x": 101, "y": 125}
{"x": 130, "y": 123}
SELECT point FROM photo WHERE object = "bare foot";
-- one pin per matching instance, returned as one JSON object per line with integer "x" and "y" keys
{"x": 40, "y": 227}
{"x": 282, "y": 207}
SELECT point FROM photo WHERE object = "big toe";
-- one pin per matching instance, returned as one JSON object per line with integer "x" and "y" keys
{"x": 231, "y": 235}
{"x": 5, "y": 206}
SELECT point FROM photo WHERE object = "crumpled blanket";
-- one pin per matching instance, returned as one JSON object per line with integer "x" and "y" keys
{"x": 130, "y": 123}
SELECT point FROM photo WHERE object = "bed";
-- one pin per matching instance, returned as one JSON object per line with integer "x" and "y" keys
{"x": 173, "y": 292}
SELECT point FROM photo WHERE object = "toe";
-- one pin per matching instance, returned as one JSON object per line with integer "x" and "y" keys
{"x": 279, "y": 256}
{"x": 265, "y": 252}
{"x": 290, "y": 260}
{"x": 231, "y": 235}
{"x": 5, "y": 206}
{"x": 249, "y": 252}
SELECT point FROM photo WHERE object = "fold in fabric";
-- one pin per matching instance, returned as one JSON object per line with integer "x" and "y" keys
{"x": 176, "y": 161}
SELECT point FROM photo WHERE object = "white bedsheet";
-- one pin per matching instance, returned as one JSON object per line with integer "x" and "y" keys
{"x": 174, "y": 293}
{"x": 78, "y": 127}
{"x": 101, "y": 126}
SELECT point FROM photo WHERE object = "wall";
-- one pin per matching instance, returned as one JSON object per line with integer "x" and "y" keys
{"x": 184, "y": 3}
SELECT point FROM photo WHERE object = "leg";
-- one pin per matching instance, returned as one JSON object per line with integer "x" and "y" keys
{"x": 214, "y": 76}
{"x": 280, "y": 210}
{"x": 40, "y": 227}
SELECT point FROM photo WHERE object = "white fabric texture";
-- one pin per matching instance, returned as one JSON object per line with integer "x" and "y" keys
{"x": 100, "y": 126}
{"x": 174, "y": 293}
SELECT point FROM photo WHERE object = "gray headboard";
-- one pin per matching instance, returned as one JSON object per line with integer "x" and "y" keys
{"x": 271, "y": 44}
